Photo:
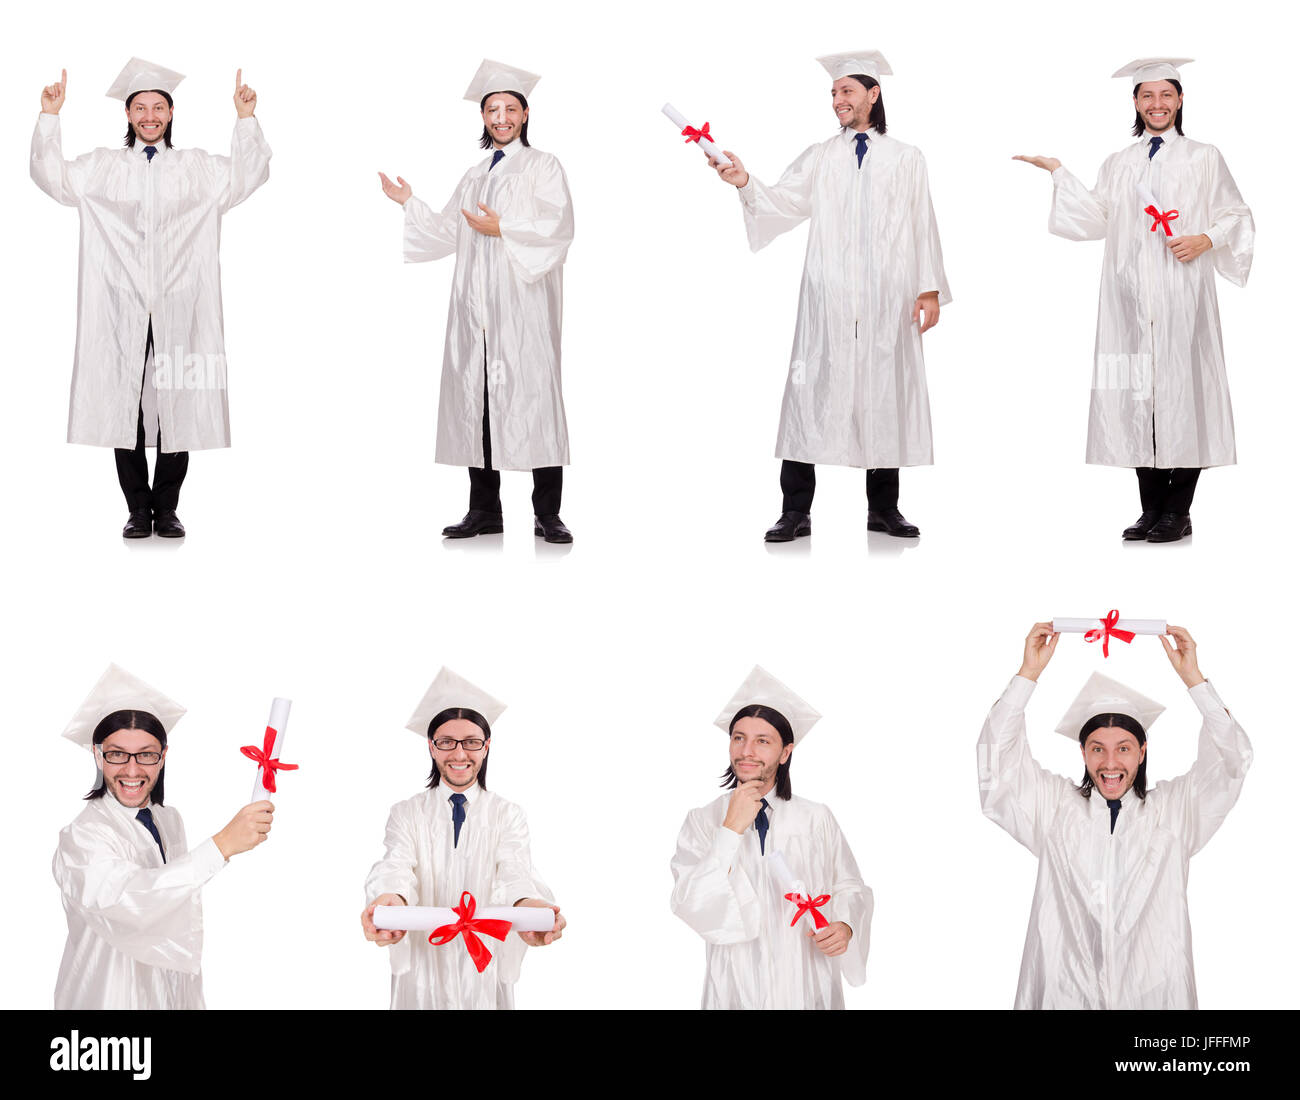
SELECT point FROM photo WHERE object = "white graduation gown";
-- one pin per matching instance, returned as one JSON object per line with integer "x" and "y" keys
{"x": 726, "y": 891}
{"x": 150, "y": 236}
{"x": 856, "y": 393}
{"x": 1160, "y": 387}
{"x": 135, "y": 924}
{"x": 506, "y": 303}
{"x": 1109, "y": 925}
{"x": 491, "y": 862}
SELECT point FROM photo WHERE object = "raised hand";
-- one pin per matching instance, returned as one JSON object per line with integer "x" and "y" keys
{"x": 245, "y": 97}
{"x": 1182, "y": 655}
{"x": 53, "y": 94}
{"x": 399, "y": 192}
{"x": 1040, "y": 644}
{"x": 1048, "y": 164}
{"x": 735, "y": 175}
{"x": 247, "y": 829}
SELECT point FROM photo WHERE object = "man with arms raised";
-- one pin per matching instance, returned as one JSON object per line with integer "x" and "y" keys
{"x": 1109, "y": 925}
{"x": 150, "y": 281}
{"x": 1160, "y": 399}
{"x": 510, "y": 224}
{"x": 738, "y": 857}
{"x": 131, "y": 888}
{"x": 456, "y": 836}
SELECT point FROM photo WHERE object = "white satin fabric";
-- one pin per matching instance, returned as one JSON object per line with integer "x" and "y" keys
{"x": 726, "y": 890}
{"x": 135, "y": 924}
{"x": 1160, "y": 387}
{"x": 1109, "y": 926}
{"x": 856, "y": 392}
{"x": 150, "y": 236}
{"x": 506, "y": 304}
{"x": 491, "y": 861}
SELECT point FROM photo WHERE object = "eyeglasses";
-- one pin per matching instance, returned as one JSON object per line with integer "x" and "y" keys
{"x": 470, "y": 744}
{"x": 117, "y": 756}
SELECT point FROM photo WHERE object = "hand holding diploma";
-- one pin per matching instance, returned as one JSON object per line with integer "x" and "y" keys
{"x": 701, "y": 137}
{"x": 382, "y": 937}
{"x": 542, "y": 938}
{"x": 268, "y": 756}
{"x": 246, "y": 830}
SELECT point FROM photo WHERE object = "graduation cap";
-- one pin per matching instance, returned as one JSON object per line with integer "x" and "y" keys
{"x": 449, "y": 690}
{"x": 1153, "y": 68}
{"x": 1102, "y": 695}
{"x": 496, "y": 76}
{"x": 870, "y": 63}
{"x": 763, "y": 688}
{"x": 117, "y": 690}
{"x": 143, "y": 76}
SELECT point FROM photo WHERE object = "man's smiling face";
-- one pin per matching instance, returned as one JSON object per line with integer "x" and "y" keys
{"x": 458, "y": 766}
{"x": 1112, "y": 757}
{"x": 132, "y": 782}
{"x": 504, "y": 116}
{"x": 1157, "y": 103}
{"x": 149, "y": 116}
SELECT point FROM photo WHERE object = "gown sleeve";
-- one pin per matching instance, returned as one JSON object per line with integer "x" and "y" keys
{"x": 395, "y": 873}
{"x": 1077, "y": 213}
{"x": 1232, "y": 228}
{"x": 851, "y": 902}
{"x": 538, "y": 244}
{"x": 714, "y": 897}
{"x": 247, "y": 167}
{"x": 1201, "y": 798}
{"x": 929, "y": 254}
{"x": 143, "y": 912}
{"x": 771, "y": 211}
{"x": 1015, "y": 791}
{"x": 63, "y": 180}
{"x": 427, "y": 235}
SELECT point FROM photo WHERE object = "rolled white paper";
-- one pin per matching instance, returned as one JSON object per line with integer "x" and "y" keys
{"x": 425, "y": 918}
{"x": 785, "y": 878}
{"x": 278, "y": 721}
{"x": 705, "y": 144}
{"x": 1136, "y": 626}
{"x": 1145, "y": 196}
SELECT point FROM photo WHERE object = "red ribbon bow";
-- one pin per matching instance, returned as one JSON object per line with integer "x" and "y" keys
{"x": 811, "y": 905}
{"x": 270, "y": 764}
{"x": 467, "y": 926}
{"x": 1161, "y": 219}
{"x": 1107, "y": 632}
{"x": 692, "y": 134}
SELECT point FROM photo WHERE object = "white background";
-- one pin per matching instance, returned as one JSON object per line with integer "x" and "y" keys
{"x": 314, "y": 567}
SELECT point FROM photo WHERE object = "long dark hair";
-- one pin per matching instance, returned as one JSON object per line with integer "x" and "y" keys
{"x": 450, "y": 715}
{"x": 1115, "y": 721}
{"x": 140, "y": 720}
{"x": 877, "y": 118}
{"x": 1139, "y": 127}
{"x": 130, "y": 130}
{"x": 485, "y": 142}
{"x": 778, "y": 722}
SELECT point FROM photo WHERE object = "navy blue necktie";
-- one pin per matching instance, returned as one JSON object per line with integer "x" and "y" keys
{"x": 1155, "y": 144}
{"x": 1114, "y": 804}
{"x": 457, "y": 816}
{"x": 760, "y": 823}
{"x": 149, "y": 151}
{"x": 862, "y": 147}
{"x": 497, "y": 158}
{"x": 145, "y": 817}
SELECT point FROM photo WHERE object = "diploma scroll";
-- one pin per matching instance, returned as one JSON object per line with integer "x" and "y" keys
{"x": 425, "y": 918}
{"x": 268, "y": 756}
{"x": 1149, "y": 206}
{"x": 1132, "y": 626}
{"x": 793, "y": 890}
{"x": 692, "y": 134}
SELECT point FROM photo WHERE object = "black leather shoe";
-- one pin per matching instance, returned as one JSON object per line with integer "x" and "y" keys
{"x": 791, "y": 526}
{"x": 552, "y": 529}
{"x": 891, "y": 521}
{"x": 139, "y": 525}
{"x": 167, "y": 526}
{"x": 475, "y": 523}
{"x": 1171, "y": 527}
{"x": 1142, "y": 528}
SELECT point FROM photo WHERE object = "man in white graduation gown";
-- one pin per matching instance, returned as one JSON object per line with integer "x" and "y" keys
{"x": 1171, "y": 216}
{"x": 738, "y": 857}
{"x": 456, "y": 836}
{"x": 1109, "y": 926}
{"x": 509, "y": 223}
{"x": 873, "y": 282}
{"x": 150, "y": 363}
{"x": 131, "y": 885}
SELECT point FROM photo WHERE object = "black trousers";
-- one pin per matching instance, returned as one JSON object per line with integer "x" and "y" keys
{"x": 799, "y": 482}
{"x": 133, "y": 467}
{"x": 485, "y": 482}
{"x": 1167, "y": 490}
